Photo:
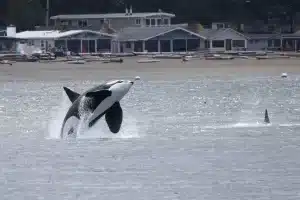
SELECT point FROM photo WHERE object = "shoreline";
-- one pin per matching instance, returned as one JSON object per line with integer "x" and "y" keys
{"x": 167, "y": 69}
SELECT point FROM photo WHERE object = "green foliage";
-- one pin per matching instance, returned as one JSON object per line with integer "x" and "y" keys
{"x": 25, "y": 14}
{"x": 28, "y": 13}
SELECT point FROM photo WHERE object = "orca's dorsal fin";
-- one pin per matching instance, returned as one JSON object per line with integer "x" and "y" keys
{"x": 71, "y": 94}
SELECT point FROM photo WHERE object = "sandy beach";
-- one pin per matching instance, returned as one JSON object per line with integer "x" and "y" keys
{"x": 165, "y": 70}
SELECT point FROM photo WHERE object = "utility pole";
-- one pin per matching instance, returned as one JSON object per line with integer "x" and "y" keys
{"x": 47, "y": 13}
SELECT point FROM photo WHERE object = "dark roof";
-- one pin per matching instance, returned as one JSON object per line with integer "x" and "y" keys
{"x": 263, "y": 36}
{"x": 292, "y": 35}
{"x": 211, "y": 33}
{"x": 112, "y": 15}
{"x": 145, "y": 33}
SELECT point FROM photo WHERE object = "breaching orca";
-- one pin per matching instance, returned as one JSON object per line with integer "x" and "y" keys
{"x": 267, "y": 120}
{"x": 94, "y": 103}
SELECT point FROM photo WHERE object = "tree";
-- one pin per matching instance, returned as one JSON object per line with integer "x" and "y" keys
{"x": 25, "y": 14}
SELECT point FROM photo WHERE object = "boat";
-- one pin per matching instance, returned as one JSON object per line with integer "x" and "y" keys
{"x": 186, "y": 58}
{"x": 270, "y": 57}
{"x": 148, "y": 61}
{"x": 219, "y": 57}
{"x": 5, "y": 62}
{"x": 76, "y": 62}
{"x": 167, "y": 56}
{"x": 284, "y": 75}
{"x": 113, "y": 60}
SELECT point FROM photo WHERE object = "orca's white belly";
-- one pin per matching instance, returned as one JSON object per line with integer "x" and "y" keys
{"x": 70, "y": 127}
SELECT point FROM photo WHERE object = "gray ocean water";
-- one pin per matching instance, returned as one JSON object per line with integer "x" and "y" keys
{"x": 187, "y": 139}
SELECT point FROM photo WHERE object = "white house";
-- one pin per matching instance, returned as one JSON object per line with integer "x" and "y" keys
{"x": 178, "y": 38}
{"x": 263, "y": 41}
{"x": 224, "y": 39}
{"x": 173, "y": 38}
{"x": 80, "y": 41}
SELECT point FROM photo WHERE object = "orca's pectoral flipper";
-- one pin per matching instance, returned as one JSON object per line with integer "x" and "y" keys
{"x": 71, "y": 94}
{"x": 114, "y": 117}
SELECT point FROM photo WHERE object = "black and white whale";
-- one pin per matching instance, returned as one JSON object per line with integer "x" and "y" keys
{"x": 93, "y": 104}
{"x": 266, "y": 120}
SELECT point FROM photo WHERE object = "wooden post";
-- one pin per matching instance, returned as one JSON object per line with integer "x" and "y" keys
{"x": 143, "y": 45}
{"x": 47, "y": 14}
{"x": 158, "y": 46}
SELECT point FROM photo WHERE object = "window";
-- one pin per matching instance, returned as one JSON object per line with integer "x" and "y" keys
{"x": 220, "y": 26}
{"x": 42, "y": 43}
{"x": 147, "y": 22}
{"x": 207, "y": 44}
{"x": 270, "y": 43}
{"x": 158, "y": 22}
{"x": 166, "y": 21}
{"x": 30, "y": 42}
{"x": 152, "y": 22}
{"x": 271, "y": 28}
{"x": 238, "y": 43}
{"x": 128, "y": 45}
{"x": 82, "y": 23}
{"x": 74, "y": 22}
{"x": 101, "y": 21}
{"x": 218, "y": 43}
{"x": 277, "y": 43}
{"x": 137, "y": 21}
{"x": 65, "y": 22}
{"x": 107, "y": 21}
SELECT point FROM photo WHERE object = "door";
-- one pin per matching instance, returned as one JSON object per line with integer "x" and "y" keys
{"x": 92, "y": 47}
{"x": 228, "y": 44}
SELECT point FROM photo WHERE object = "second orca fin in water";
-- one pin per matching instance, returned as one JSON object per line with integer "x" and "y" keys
{"x": 267, "y": 119}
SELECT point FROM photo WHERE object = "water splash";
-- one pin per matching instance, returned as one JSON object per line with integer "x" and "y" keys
{"x": 57, "y": 117}
{"x": 248, "y": 125}
{"x": 129, "y": 129}
{"x": 237, "y": 125}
